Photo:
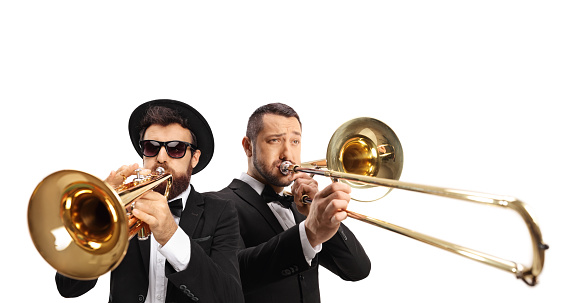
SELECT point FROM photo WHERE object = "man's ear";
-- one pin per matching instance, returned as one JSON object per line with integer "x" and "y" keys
{"x": 195, "y": 158}
{"x": 247, "y": 146}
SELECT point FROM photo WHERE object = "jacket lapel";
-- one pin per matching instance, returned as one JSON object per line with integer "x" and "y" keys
{"x": 249, "y": 196}
{"x": 192, "y": 213}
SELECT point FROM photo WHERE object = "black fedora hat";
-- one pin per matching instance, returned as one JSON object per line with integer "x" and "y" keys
{"x": 197, "y": 123}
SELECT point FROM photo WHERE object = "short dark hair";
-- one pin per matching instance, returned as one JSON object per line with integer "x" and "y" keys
{"x": 255, "y": 121}
{"x": 164, "y": 116}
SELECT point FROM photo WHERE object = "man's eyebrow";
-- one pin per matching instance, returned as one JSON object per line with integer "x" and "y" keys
{"x": 277, "y": 135}
{"x": 297, "y": 133}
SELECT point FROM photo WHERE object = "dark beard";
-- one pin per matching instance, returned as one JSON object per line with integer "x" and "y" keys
{"x": 266, "y": 173}
{"x": 180, "y": 182}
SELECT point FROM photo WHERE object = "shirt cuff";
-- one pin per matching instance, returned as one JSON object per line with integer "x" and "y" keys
{"x": 177, "y": 250}
{"x": 309, "y": 251}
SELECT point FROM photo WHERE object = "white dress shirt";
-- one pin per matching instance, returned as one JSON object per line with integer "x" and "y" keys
{"x": 286, "y": 219}
{"x": 177, "y": 251}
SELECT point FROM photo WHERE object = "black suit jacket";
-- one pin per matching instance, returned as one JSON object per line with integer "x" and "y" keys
{"x": 211, "y": 276}
{"x": 272, "y": 265}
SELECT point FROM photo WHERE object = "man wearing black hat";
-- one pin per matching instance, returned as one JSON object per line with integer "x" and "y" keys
{"x": 192, "y": 253}
{"x": 284, "y": 241}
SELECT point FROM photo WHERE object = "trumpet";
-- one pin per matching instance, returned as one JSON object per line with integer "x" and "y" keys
{"x": 366, "y": 153}
{"x": 73, "y": 215}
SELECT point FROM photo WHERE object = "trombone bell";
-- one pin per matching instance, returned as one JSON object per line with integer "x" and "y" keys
{"x": 366, "y": 147}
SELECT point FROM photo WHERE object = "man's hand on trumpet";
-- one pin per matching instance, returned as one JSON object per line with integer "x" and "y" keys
{"x": 151, "y": 208}
{"x": 117, "y": 177}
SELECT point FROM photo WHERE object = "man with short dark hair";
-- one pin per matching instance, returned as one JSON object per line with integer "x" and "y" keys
{"x": 192, "y": 253}
{"x": 285, "y": 242}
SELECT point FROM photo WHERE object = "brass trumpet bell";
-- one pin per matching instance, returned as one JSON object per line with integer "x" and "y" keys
{"x": 72, "y": 216}
{"x": 81, "y": 226}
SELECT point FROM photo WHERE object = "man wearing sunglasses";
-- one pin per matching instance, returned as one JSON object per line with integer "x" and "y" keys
{"x": 284, "y": 241}
{"x": 192, "y": 253}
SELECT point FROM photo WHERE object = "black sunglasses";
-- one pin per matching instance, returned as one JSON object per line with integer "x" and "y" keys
{"x": 175, "y": 149}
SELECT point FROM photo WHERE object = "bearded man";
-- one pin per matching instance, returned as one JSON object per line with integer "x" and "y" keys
{"x": 192, "y": 253}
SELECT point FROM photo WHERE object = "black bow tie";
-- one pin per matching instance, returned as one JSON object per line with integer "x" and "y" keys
{"x": 269, "y": 195}
{"x": 176, "y": 207}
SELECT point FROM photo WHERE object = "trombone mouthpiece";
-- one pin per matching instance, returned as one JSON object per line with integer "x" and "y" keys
{"x": 284, "y": 167}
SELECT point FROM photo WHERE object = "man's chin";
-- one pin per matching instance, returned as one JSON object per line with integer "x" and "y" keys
{"x": 283, "y": 181}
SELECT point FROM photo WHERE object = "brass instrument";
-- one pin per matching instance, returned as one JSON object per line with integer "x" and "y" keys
{"x": 82, "y": 226}
{"x": 365, "y": 153}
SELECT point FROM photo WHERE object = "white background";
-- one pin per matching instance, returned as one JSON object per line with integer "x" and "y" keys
{"x": 477, "y": 91}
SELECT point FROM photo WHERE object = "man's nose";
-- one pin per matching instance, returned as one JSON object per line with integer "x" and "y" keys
{"x": 162, "y": 156}
{"x": 286, "y": 152}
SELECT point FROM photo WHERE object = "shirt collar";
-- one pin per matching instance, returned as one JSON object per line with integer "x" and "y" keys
{"x": 255, "y": 184}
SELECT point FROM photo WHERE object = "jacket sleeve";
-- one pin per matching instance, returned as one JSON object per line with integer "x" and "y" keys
{"x": 344, "y": 256}
{"x": 71, "y": 288}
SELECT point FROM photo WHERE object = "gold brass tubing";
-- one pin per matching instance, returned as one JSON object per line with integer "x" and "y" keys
{"x": 451, "y": 247}
{"x": 528, "y": 275}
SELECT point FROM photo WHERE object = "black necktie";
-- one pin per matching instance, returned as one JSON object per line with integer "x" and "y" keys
{"x": 270, "y": 195}
{"x": 176, "y": 207}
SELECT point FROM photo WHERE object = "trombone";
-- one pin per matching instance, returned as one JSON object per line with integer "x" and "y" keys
{"x": 365, "y": 152}
{"x": 74, "y": 216}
